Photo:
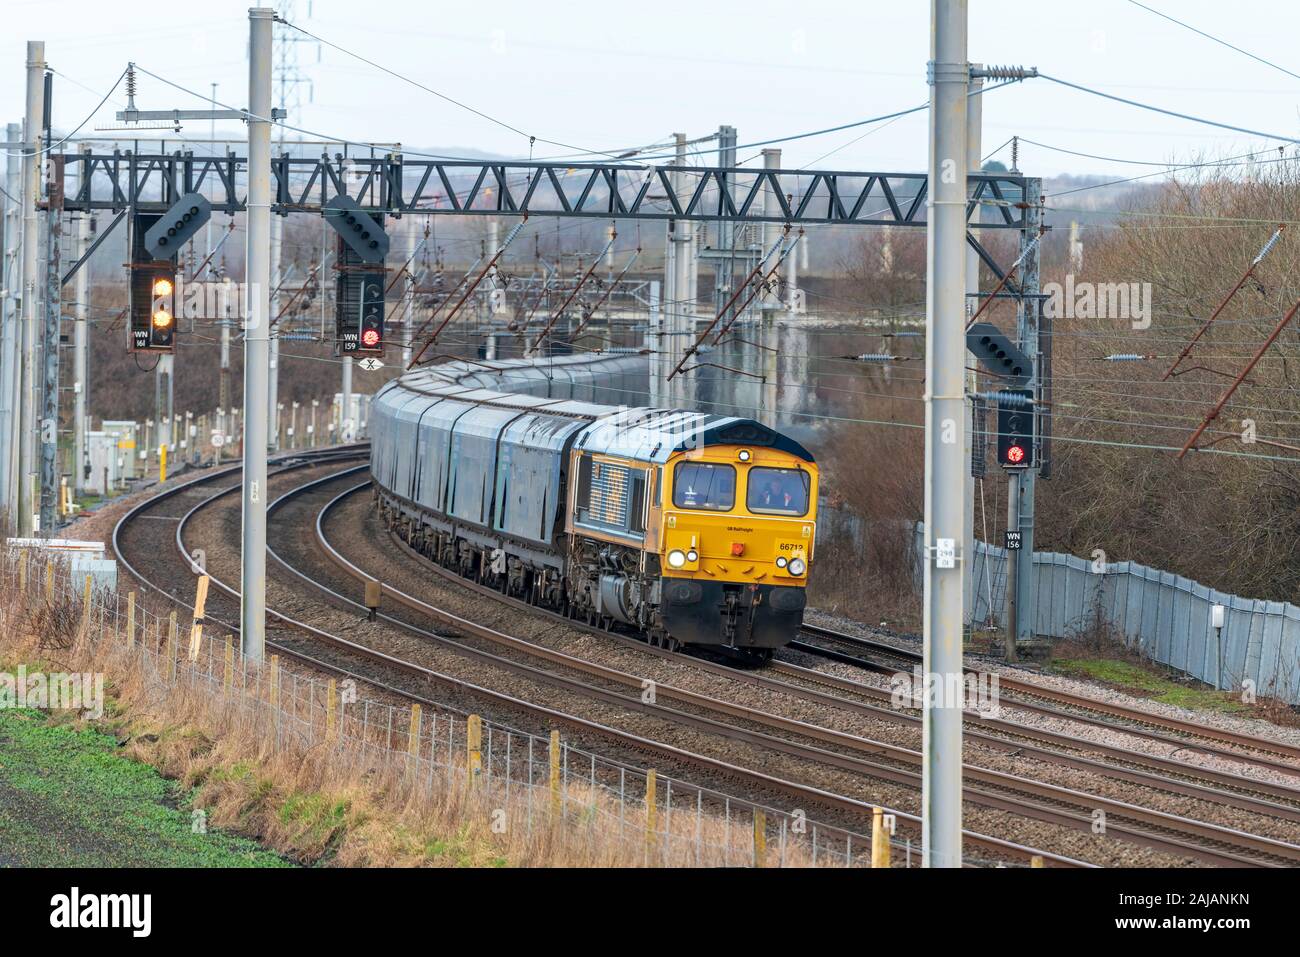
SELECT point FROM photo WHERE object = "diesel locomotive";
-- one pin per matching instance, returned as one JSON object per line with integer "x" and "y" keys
{"x": 685, "y": 527}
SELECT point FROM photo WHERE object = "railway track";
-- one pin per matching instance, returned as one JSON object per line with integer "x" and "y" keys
{"x": 1184, "y": 734}
{"x": 363, "y": 663}
{"x": 1206, "y": 842}
{"x": 697, "y": 718}
{"x": 1034, "y": 799}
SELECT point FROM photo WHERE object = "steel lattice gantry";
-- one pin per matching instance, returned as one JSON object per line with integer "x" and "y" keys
{"x": 395, "y": 186}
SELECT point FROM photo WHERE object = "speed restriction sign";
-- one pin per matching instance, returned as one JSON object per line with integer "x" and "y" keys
{"x": 218, "y": 439}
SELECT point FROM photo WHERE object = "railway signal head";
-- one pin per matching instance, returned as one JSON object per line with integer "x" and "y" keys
{"x": 372, "y": 314}
{"x": 176, "y": 226}
{"x": 162, "y": 321}
{"x": 152, "y": 306}
{"x": 358, "y": 228}
{"x": 1016, "y": 428}
{"x": 998, "y": 354}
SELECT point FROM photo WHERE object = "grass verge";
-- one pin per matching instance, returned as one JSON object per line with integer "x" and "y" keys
{"x": 1147, "y": 682}
{"x": 316, "y": 798}
{"x": 70, "y": 798}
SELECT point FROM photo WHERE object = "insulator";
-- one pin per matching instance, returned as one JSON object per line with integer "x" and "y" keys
{"x": 1272, "y": 241}
{"x": 1007, "y": 72}
{"x": 876, "y": 357}
{"x": 1125, "y": 357}
{"x": 1005, "y": 399}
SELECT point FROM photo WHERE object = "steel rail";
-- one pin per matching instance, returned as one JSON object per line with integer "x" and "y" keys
{"x": 757, "y": 778}
{"x": 1278, "y": 749}
{"x": 1210, "y": 832}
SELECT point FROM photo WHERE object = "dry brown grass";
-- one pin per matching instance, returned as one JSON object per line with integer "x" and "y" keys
{"x": 339, "y": 802}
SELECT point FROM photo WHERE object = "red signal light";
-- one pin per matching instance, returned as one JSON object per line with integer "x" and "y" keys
{"x": 370, "y": 338}
{"x": 1015, "y": 454}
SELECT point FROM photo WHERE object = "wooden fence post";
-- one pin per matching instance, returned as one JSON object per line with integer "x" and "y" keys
{"x": 651, "y": 814}
{"x": 85, "y": 608}
{"x": 760, "y": 838}
{"x": 413, "y": 736}
{"x": 275, "y": 682}
{"x": 879, "y": 838}
{"x": 555, "y": 773}
{"x": 171, "y": 646}
{"x": 228, "y": 678}
{"x": 473, "y": 748}
{"x": 331, "y": 706}
{"x": 130, "y": 621}
{"x": 196, "y": 626}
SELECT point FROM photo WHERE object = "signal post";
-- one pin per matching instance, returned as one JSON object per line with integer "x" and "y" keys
{"x": 359, "y": 300}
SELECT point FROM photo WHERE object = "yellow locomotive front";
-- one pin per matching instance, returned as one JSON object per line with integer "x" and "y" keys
{"x": 736, "y": 548}
{"x": 693, "y": 528}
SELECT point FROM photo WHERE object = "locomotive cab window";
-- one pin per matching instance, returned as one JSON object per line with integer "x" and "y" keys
{"x": 636, "y": 503}
{"x": 704, "y": 485}
{"x": 778, "y": 491}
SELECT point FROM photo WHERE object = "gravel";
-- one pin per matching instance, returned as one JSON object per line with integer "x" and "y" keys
{"x": 368, "y": 544}
{"x": 1253, "y": 726}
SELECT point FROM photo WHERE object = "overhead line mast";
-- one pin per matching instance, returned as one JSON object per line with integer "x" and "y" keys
{"x": 947, "y": 452}
{"x": 257, "y": 351}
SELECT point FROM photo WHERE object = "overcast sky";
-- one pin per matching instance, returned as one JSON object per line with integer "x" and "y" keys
{"x": 602, "y": 76}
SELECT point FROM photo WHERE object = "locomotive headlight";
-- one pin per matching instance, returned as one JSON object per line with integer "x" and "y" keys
{"x": 744, "y": 455}
{"x": 676, "y": 558}
{"x": 798, "y": 566}
{"x": 781, "y": 561}
{"x": 692, "y": 556}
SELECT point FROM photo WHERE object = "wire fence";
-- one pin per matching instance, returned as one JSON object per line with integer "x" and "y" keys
{"x": 509, "y": 777}
{"x": 1162, "y": 616}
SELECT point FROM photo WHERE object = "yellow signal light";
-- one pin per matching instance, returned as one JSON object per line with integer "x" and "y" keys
{"x": 162, "y": 319}
{"x": 162, "y": 286}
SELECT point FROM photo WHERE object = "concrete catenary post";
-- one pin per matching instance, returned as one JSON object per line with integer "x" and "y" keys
{"x": 252, "y": 613}
{"x": 947, "y": 455}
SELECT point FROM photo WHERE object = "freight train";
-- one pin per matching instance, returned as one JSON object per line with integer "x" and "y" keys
{"x": 684, "y": 527}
